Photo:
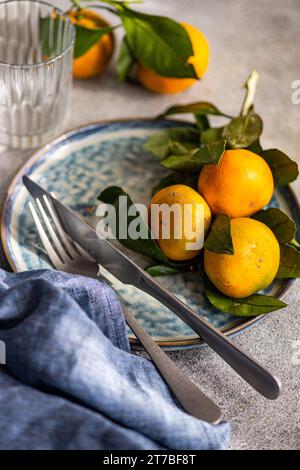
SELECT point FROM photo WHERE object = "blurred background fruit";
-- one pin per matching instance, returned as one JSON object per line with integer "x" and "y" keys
{"x": 93, "y": 62}
{"x": 160, "y": 84}
{"x": 176, "y": 249}
{"x": 240, "y": 185}
{"x": 254, "y": 264}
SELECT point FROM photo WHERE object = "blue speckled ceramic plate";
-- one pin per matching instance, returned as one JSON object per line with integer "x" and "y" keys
{"x": 76, "y": 167}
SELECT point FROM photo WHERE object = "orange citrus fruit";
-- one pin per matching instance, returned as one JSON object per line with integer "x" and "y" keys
{"x": 254, "y": 264}
{"x": 199, "y": 60}
{"x": 93, "y": 62}
{"x": 184, "y": 224}
{"x": 240, "y": 185}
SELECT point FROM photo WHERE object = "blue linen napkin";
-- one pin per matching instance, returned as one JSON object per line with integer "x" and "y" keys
{"x": 70, "y": 381}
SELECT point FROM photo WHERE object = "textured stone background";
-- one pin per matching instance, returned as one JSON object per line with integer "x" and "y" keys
{"x": 265, "y": 35}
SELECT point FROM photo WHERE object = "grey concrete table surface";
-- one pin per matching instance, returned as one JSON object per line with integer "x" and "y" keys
{"x": 265, "y": 35}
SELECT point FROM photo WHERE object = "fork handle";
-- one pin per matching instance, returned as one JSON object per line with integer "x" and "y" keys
{"x": 192, "y": 399}
{"x": 248, "y": 368}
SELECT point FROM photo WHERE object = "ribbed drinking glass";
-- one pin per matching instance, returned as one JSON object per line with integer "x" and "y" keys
{"x": 36, "y": 53}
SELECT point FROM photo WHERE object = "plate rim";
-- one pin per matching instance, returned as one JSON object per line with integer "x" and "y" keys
{"x": 39, "y": 152}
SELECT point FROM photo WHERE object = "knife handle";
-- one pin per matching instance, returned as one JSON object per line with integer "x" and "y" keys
{"x": 192, "y": 399}
{"x": 248, "y": 368}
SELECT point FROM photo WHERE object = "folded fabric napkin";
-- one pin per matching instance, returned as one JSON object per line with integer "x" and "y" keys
{"x": 70, "y": 381}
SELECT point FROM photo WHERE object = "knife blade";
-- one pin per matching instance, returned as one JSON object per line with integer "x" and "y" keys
{"x": 128, "y": 272}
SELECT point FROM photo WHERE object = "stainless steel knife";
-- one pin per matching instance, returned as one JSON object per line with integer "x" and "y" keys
{"x": 124, "y": 269}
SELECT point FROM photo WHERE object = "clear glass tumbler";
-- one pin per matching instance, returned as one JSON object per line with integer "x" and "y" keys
{"x": 36, "y": 53}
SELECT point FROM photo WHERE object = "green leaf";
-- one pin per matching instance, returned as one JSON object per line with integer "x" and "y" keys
{"x": 179, "y": 177}
{"x": 284, "y": 169}
{"x": 211, "y": 135}
{"x": 201, "y": 108}
{"x": 147, "y": 246}
{"x": 202, "y": 122}
{"x": 125, "y": 60}
{"x": 283, "y": 227}
{"x": 164, "y": 143}
{"x": 86, "y": 38}
{"x": 162, "y": 270}
{"x": 219, "y": 239}
{"x": 289, "y": 262}
{"x": 184, "y": 162}
{"x": 49, "y": 27}
{"x": 243, "y": 130}
{"x": 77, "y": 3}
{"x": 255, "y": 147}
{"x": 295, "y": 244}
{"x": 195, "y": 159}
{"x": 159, "y": 43}
{"x": 254, "y": 305}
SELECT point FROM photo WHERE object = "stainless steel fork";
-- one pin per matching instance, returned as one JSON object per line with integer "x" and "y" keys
{"x": 67, "y": 256}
